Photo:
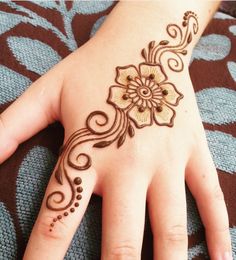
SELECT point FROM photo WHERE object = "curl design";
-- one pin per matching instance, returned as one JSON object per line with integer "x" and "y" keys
{"x": 183, "y": 37}
{"x": 143, "y": 96}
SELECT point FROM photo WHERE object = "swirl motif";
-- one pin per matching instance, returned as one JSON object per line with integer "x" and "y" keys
{"x": 143, "y": 97}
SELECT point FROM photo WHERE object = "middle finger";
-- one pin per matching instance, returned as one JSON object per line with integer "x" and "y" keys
{"x": 124, "y": 200}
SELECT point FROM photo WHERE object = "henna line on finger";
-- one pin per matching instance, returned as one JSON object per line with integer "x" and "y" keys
{"x": 71, "y": 164}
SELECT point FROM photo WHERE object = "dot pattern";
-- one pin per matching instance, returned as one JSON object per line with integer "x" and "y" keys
{"x": 79, "y": 189}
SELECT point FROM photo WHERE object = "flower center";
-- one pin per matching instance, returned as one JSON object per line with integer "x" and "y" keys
{"x": 144, "y": 92}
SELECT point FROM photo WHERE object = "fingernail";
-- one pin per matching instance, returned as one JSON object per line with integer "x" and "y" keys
{"x": 227, "y": 256}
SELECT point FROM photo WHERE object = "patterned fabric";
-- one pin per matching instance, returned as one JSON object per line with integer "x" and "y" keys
{"x": 34, "y": 36}
{"x": 228, "y": 7}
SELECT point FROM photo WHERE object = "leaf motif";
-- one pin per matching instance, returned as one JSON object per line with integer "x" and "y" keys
{"x": 189, "y": 38}
{"x": 46, "y": 4}
{"x": 91, "y": 7}
{"x": 217, "y": 105}
{"x": 164, "y": 42}
{"x": 212, "y": 47}
{"x": 12, "y": 84}
{"x": 31, "y": 182}
{"x": 131, "y": 131}
{"x": 8, "y": 21}
{"x": 121, "y": 139}
{"x": 37, "y": 20}
{"x": 8, "y": 245}
{"x": 232, "y": 69}
{"x": 35, "y": 55}
{"x": 58, "y": 175}
{"x": 151, "y": 44}
{"x": 102, "y": 144}
{"x": 144, "y": 54}
{"x": 223, "y": 150}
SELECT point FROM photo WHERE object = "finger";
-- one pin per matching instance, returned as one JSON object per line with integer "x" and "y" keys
{"x": 54, "y": 230}
{"x": 203, "y": 183}
{"x": 30, "y": 113}
{"x": 124, "y": 200}
{"x": 167, "y": 210}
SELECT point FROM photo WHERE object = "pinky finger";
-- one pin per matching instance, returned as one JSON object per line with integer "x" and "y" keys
{"x": 202, "y": 180}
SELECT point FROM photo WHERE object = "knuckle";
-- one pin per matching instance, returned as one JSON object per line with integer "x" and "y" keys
{"x": 58, "y": 232}
{"x": 125, "y": 251}
{"x": 176, "y": 234}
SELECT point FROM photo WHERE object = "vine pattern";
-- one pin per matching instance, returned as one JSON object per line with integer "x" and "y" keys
{"x": 142, "y": 96}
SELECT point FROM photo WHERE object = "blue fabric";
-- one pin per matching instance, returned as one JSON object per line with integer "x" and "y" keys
{"x": 222, "y": 110}
{"x": 232, "y": 29}
{"x": 12, "y": 84}
{"x": 36, "y": 56}
{"x": 36, "y": 167}
{"x": 232, "y": 69}
{"x": 212, "y": 47}
{"x": 223, "y": 150}
{"x": 8, "y": 244}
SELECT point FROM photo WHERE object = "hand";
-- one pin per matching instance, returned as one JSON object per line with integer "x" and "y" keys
{"x": 152, "y": 163}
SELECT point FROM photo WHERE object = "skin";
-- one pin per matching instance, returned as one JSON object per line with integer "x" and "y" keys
{"x": 151, "y": 167}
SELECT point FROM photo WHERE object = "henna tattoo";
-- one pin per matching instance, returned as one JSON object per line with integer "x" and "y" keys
{"x": 143, "y": 96}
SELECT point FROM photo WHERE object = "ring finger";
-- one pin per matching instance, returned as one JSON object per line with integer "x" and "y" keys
{"x": 203, "y": 182}
{"x": 124, "y": 201}
{"x": 167, "y": 209}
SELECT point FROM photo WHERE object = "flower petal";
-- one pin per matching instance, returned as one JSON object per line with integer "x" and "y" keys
{"x": 152, "y": 84}
{"x": 139, "y": 102}
{"x": 134, "y": 83}
{"x": 147, "y": 69}
{"x": 173, "y": 97}
{"x": 123, "y": 72}
{"x": 132, "y": 95}
{"x": 115, "y": 97}
{"x": 140, "y": 119}
{"x": 165, "y": 117}
{"x": 139, "y": 81}
{"x": 130, "y": 90}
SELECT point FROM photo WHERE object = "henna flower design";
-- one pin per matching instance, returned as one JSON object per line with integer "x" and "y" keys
{"x": 145, "y": 94}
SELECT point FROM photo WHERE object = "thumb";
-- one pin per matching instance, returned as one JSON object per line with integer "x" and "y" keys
{"x": 34, "y": 110}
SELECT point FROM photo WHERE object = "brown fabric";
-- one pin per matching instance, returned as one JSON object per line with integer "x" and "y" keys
{"x": 204, "y": 74}
{"x": 228, "y": 7}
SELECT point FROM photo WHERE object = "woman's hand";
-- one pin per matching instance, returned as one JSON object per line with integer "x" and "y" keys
{"x": 147, "y": 141}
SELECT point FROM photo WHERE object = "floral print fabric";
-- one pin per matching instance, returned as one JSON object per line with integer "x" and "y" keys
{"x": 34, "y": 36}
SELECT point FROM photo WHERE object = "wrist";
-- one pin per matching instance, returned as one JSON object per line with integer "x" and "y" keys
{"x": 133, "y": 24}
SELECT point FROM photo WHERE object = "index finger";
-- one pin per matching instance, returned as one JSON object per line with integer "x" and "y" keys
{"x": 34, "y": 110}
